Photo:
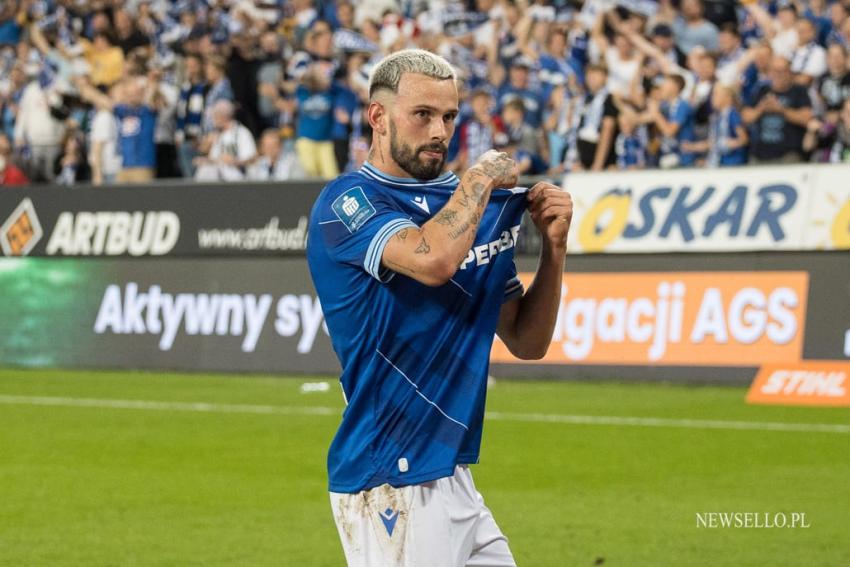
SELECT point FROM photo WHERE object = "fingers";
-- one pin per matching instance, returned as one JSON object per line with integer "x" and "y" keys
{"x": 545, "y": 195}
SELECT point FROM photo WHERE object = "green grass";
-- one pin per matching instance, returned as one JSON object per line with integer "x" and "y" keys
{"x": 88, "y": 486}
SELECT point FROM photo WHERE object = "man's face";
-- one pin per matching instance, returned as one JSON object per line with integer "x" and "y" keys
{"x": 421, "y": 123}
{"x": 321, "y": 38}
{"x": 519, "y": 76}
{"x": 728, "y": 42}
{"x": 805, "y": 31}
{"x": 780, "y": 74}
{"x": 135, "y": 92}
{"x": 193, "y": 67}
{"x": 595, "y": 80}
{"x": 270, "y": 146}
{"x": 663, "y": 42}
{"x": 482, "y": 106}
{"x": 691, "y": 9}
{"x": 836, "y": 60}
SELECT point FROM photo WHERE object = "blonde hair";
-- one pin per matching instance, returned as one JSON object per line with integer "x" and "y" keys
{"x": 387, "y": 74}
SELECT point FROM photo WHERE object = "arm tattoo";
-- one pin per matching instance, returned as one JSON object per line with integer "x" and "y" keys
{"x": 498, "y": 168}
{"x": 447, "y": 217}
{"x": 402, "y": 234}
{"x": 461, "y": 230}
{"x": 423, "y": 247}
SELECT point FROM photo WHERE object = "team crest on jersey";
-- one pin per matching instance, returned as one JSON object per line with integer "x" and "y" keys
{"x": 353, "y": 208}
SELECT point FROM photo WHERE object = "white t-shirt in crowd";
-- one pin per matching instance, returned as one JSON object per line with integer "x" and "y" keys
{"x": 620, "y": 72}
{"x": 809, "y": 60}
{"x": 105, "y": 130}
{"x": 235, "y": 141}
{"x": 785, "y": 42}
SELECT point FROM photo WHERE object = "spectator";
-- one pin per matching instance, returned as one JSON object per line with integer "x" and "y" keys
{"x": 730, "y": 54}
{"x": 37, "y": 132}
{"x": 269, "y": 74}
{"x": 674, "y": 118}
{"x": 619, "y": 57}
{"x": 755, "y": 67}
{"x": 135, "y": 109}
{"x": 72, "y": 167}
{"x": 104, "y": 159}
{"x": 597, "y": 124}
{"x": 727, "y": 140}
{"x": 782, "y": 31}
{"x": 816, "y": 12}
{"x": 168, "y": 97}
{"x": 128, "y": 36}
{"x": 519, "y": 132}
{"x": 231, "y": 145}
{"x": 346, "y": 106}
{"x": 10, "y": 28}
{"x": 778, "y": 117}
{"x": 242, "y": 67}
{"x": 518, "y": 87}
{"x": 632, "y": 142}
{"x": 663, "y": 39}
{"x": 700, "y": 96}
{"x": 105, "y": 60}
{"x": 693, "y": 30}
{"x": 840, "y": 149}
{"x": 10, "y": 174}
{"x": 809, "y": 60}
{"x": 318, "y": 46}
{"x": 219, "y": 88}
{"x": 10, "y": 99}
{"x": 315, "y": 97}
{"x": 478, "y": 132}
{"x": 834, "y": 87}
{"x": 838, "y": 13}
{"x": 190, "y": 114}
{"x": 273, "y": 163}
{"x": 554, "y": 66}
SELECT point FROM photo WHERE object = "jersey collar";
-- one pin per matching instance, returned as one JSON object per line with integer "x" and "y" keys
{"x": 371, "y": 171}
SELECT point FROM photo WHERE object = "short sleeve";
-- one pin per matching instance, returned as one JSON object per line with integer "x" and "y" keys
{"x": 356, "y": 223}
{"x": 513, "y": 287}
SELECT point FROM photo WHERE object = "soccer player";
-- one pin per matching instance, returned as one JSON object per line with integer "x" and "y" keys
{"x": 414, "y": 268}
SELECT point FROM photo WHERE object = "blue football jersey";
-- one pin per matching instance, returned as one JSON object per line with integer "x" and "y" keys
{"x": 414, "y": 358}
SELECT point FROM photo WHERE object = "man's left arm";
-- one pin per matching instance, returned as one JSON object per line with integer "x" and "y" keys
{"x": 526, "y": 323}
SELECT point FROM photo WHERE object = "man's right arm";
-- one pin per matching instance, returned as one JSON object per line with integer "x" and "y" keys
{"x": 432, "y": 253}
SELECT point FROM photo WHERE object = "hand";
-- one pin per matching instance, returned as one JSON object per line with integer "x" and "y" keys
{"x": 551, "y": 209}
{"x": 499, "y": 167}
{"x": 771, "y": 104}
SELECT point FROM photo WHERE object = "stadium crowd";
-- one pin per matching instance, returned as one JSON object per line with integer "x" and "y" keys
{"x": 114, "y": 91}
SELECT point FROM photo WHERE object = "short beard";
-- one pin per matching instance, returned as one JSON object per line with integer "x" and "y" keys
{"x": 408, "y": 159}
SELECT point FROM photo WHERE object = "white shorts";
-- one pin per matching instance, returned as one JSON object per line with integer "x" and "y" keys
{"x": 442, "y": 523}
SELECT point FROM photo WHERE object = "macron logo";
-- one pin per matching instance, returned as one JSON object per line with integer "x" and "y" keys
{"x": 389, "y": 518}
{"x": 421, "y": 203}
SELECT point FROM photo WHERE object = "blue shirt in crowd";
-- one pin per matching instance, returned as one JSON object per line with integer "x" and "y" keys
{"x": 315, "y": 113}
{"x": 679, "y": 112}
{"x": 136, "y": 126}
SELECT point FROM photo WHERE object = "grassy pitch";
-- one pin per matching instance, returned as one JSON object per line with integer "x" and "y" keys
{"x": 114, "y": 469}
